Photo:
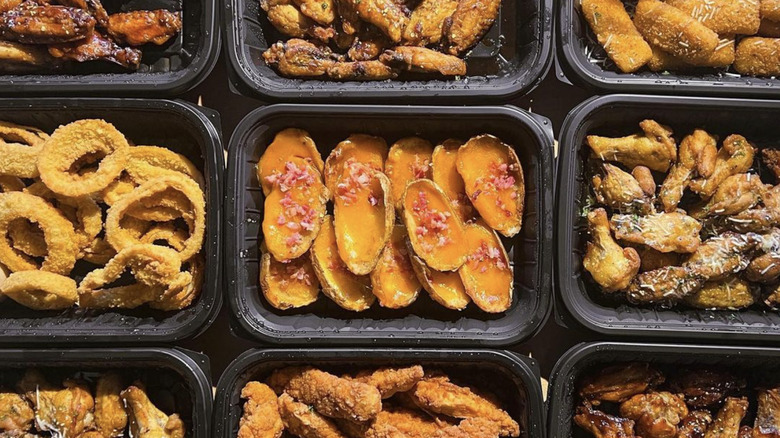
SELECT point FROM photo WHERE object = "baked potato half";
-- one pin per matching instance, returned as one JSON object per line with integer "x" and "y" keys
{"x": 366, "y": 149}
{"x": 444, "y": 163}
{"x": 288, "y": 143}
{"x": 409, "y": 159}
{"x": 288, "y": 285}
{"x": 393, "y": 280}
{"x": 487, "y": 274}
{"x": 446, "y": 288}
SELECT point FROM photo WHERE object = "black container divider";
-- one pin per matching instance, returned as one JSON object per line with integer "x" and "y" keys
{"x": 753, "y": 362}
{"x": 184, "y": 375}
{"x": 511, "y": 59}
{"x": 620, "y": 115}
{"x": 574, "y": 40}
{"x": 424, "y": 322}
{"x": 513, "y": 378}
{"x": 167, "y": 70}
{"x": 182, "y": 127}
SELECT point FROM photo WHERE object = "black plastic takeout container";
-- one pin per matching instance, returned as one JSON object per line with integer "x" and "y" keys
{"x": 182, "y": 127}
{"x": 754, "y": 363}
{"x": 166, "y": 70}
{"x": 177, "y": 380}
{"x": 620, "y": 115}
{"x": 513, "y": 378}
{"x": 424, "y": 322}
{"x": 511, "y": 59}
{"x": 575, "y": 41}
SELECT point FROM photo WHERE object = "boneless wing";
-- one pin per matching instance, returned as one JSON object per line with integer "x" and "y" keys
{"x": 261, "y": 417}
{"x": 334, "y": 396}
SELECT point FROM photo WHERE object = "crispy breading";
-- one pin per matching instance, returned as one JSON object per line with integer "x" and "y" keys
{"x": 261, "y": 417}
{"x": 302, "y": 421}
{"x": 335, "y": 397}
{"x": 654, "y": 148}
{"x": 724, "y": 17}
{"x": 770, "y": 9}
{"x": 468, "y": 24}
{"x": 617, "y": 34}
{"x": 758, "y": 57}
{"x": 392, "y": 380}
{"x": 673, "y": 30}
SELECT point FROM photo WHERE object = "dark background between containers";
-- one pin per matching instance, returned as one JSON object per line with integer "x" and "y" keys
{"x": 552, "y": 98}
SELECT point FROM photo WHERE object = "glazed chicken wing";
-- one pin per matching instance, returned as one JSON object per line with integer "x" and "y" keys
{"x": 619, "y": 190}
{"x": 664, "y": 232}
{"x": 15, "y": 414}
{"x": 31, "y": 23}
{"x": 656, "y": 414}
{"x": 618, "y": 383}
{"x": 24, "y": 58}
{"x": 137, "y": 28}
{"x": 767, "y": 423}
{"x": 261, "y": 417}
{"x": 735, "y": 156}
{"x": 468, "y": 24}
{"x": 335, "y": 397}
{"x": 94, "y": 7}
{"x": 771, "y": 159}
{"x": 734, "y": 195}
{"x": 696, "y": 156}
{"x": 110, "y": 415}
{"x": 304, "y": 422}
{"x": 297, "y": 57}
{"x": 694, "y": 425}
{"x": 321, "y": 11}
{"x": 387, "y": 15}
{"x": 349, "y": 17}
{"x": 602, "y": 425}
{"x": 7, "y": 5}
{"x": 425, "y": 24}
{"x": 392, "y": 380}
{"x": 146, "y": 421}
{"x": 654, "y": 149}
{"x": 360, "y": 71}
{"x": 66, "y": 412}
{"x": 727, "y": 422}
{"x": 97, "y": 47}
{"x": 704, "y": 387}
{"x": 422, "y": 60}
{"x": 369, "y": 44}
{"x": 610, "y": 265}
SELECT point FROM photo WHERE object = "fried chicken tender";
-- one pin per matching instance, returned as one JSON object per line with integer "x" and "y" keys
{"x": 65, "y": 412}
{"x": 304, "y": 422}
{"x": 470, "y": 428}
{"x": 656, "y": 414}
{"x": 664, "y": 232}
{"x": 443, "y": 397}
{"x": 335, "y": 397}
{"x": 373, "y": 429}
{"x": 15, "y": 414}
{"x": 734, "y": 157}
{"x": 770, "y": 9}
{"x": 31, "y": 23}
{"x": 281, "y": 377}
{"x": 619, "y": 382}
{"x": 389, "y": 381}
{"x": 321, "y": 11}
{"x": 297, "y": 57}
{"x": 411, "y": 423}
{"x": 724, "y": 17}
{"x": 726, "y": 424}
{"x": 137, "y": 28}
{"x": 735, "y": 194}
{"x": 655, "y": 149}
{"x": 422, "y": 60}
{"x": 97, "y": 47}
{"x": 610, "y": 265}
{"x": 767, "y": 423}
{"x": 731, "y": 293}
{"x": 696, "y": 156}
{"x": 694, "y": 425}
{"x": 468, "y": 24}
{"x": 146, "y": 421}
{"x": 261, "y": 417}
{"x": 361, "y": 71}
{"x": 110, "y": 415}
{"x": 602, "y": 425}
{"x": 387, "y": 15}
{"x": 619, "y": 190}
{"x": 757, "y": 56}
{"x": 723, "y": 56}
{"x": 425, "y": 24}
{"x": 617, "y": 34}
{"x": 674, "y": 31}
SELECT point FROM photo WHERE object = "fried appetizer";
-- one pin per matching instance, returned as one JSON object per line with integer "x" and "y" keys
{"x": 365, "y": 149}
{"x": 390, "y": 381}
{"x": 15, "y": 414}
{"x": 423, "y": 60}
{"x": 97, "y": 47}
{"x": 758, "y": 56}
{"x": 427, "y": 20}
{"x": 445, "y": 175}
{"x": 724, "y": 17}
{"x": 705, "y": 387}
{"x": 734, "y": 195}
{"x": 656, "y": 414}
{"x": 137, "y": 28}
{"x": 393, "y": 280}
{"x": 408, "y": 159}
{"x": 398, "y": 422}
{"x": 732, "y": 293}
{"x": 696, "y": 157}
{"x": 384, "y": 14}
{"x": 335, "y": 397}
{"x": 288, "y": 285}
{"x": 766, "y": 267}
{"x": 674, "y": 31}
{"x": 618, "y": 383}
{"x": 20, "y": 147}
{"x": 446, "y": 288}
{"x": 603, "y": 425}
{"x": 468, "y": 24}
{"x": 146, "y": 421}
{"x": 299, "y": 58}
{"x": 760, "y": 219}
{"x": 289, "y": 20}
{"x": 40, "y": 290}
{"x": 110, "y": 415}
{"x": 287, "y": 144}
{"x": 24, "y": 58}
{"x": 300, "y": 420}
{"x": 729, "y": 417}
{"x": 321, "y": 11}
{"x": 63, "y": 411}
{"x": 655, "y": 149}
{"x": 361, "y": 71}
{"x": 735, "y": 156}
{"x": 619, "y": 190}
{"x": 769, "y": 29}
{"x": 261, "y": 417}
{"x": 771, "y": 159}
{"x": 722, "y": 57}
{"x": 664, "y": 232}
{"x": 770, "y": 10}
{"x": 611, "y": 266}
{"x": 368, "y": 44}
{"x": 617, "y": 34}
{"x": 722, "y": 255}
{"x": 694, "y": 425}
{"x": 767, "y": 421}
{"x": 33, "y": 23}
{"x": 487, "y": 274}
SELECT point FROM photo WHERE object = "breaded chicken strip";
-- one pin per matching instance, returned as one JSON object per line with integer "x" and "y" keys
{"x": 617, "y": 34}
{"x": 758, "y": 57}
{"x": 261, "y": 417}
{"x": 770, "y": 10}
{"x": 392, "y": 380}
{"x": 335, "y": 397}
{"x": 470, "y": 428}
{"x": 723, "y": 56}
{"x": 674, "y": 31}
{"x": 304, "y": 422}
{"x": 724, "y": 17}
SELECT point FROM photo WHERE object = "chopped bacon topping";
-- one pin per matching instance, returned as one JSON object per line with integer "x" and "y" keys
{"x": 301, "y": 275}
{"x": 294, "y": 239}
{"x": 431, "y": 222}
{"x": 297, "y": 216}
{"x": 500, "y": 176}
{"x": 486, "y": 253}
{"x": 421, "y": 170}
{"x": 292, "y": 175}
{"x": 357, "y": 178}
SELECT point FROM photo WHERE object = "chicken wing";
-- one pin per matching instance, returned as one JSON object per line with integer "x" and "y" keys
{"x": 422, "y": 60}
{"x": 321, "y": 11}
{"x": 443, "y": 397}
{"x": 7, "y": 5}
{"x": 304, "y": 422}
{"x": 387, "y": 15}
{"x": 694, "y": 425}
{"x": 261, "y": 417}
{"x": 767, "y": 423}
{"x": 722, "y": 255}
{"x": 25, "y": 58}
{"x": 137, "y": 28}
{"x": 602, "y": 425}
{"x": 369, "y": 44}
{"x": 97, "y": 47}
{"x": 335, "y": 397}
{"x": 619, "y": 190}
{"x": 619, "y": 382}
{"x": 360, "y": 71}
{"x": 766, "y": 268}
{"x": 425, "y": 24}
{"x": 94, "y": 7}
{"x": 15, "y": 414}
{"x": 771, "y": 159}
{"x": 31, "y": 23}
{"x": 644, "y": 177}
{"x": 726, "y": 424}
{"x": 146, "y": 421}
{"x": 110, "y": 415}
{"x": 735, "y": 156}
{"x": 730, "y": 293}
{"x": 349, "y": 17}
{"x": 735, "y": 194}
{"x": 468, "y": 24}
{"x": 392, "y": 380}
{"x": 289, "y": 20}
{"x": 705, "y": 387}
{"x": 299, "y": 58}
{"x": 664, "y": 286}
{"x": 664, "y": 232}
{"x": 617, "y": 34}
{"x": 655, "y": 149}
{"x": 610, "y": 265}
{"x": 760, "y": 219}
{"x": 696, "y": 157}
{"x": 656, "y": 414}
{"x": 745, "y": 432}
{"x": 652, "y": 259}
{"x": 65, "y": 412}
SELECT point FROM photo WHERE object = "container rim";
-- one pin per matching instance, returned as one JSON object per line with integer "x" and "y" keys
{"x": 540, "y": 126}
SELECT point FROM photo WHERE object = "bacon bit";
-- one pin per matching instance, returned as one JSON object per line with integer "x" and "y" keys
{"x": 476, "y": 193}
{"x": 291, "y": 176}
{"x": 281, "y": 219}
{"x": 500, "y": 176}
{"x": 358, "y": 178}
{"x": 420, "y": 170}
{"x": 294, "y": 239}
{"x": 431, "y": 221}
{"x": 272, "y": 178}
{"x": 487, "y": 253}
{"x": 372, "y": 200}
{"x": 301, "y": 275}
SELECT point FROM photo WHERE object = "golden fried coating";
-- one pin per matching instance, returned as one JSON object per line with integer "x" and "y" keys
{"x": 655, "y": 149}
{"x": 724, "y": 17}
{"x": 735, "y": 194}
{"x": 7, "y": 5}
{"x": 110, "y": 415}
{"x": 392, "y": 380}
{"x": 302, "y": 421}
{"x": 619, "y": 382}
{"x": 767, "y": 423}
{"x": 656, "y": 414}
{"x": 15, "y": 414}
{"x": 470, "y": 428}
{"x": 694, "y": 425}
{"x": 610, "y": 265}
{"x": 468, "y": 24}
{"x": 731, "y": 293}
{"x": 423, "y": 60}
{"x": 335, "y": 397}
{"x": 361, "y": 71}
{"x": 297, "y": 57}
{"x": 619, "y": 190}
{"x": 617, "y": 34}
{"x": 602, "y": 425}
{"x": 664, "y": 232}
{"x": 722, "y": 255}
{"x": 137, "y": 28}
{"x": 696, "y": 156}
{"x": 770, "y": 9}
{"x": 321, "y": 11}
{"x": 411, "y": 423}
{"x": 726, "y": 424}
{"x": 261, "y": 417}
{"x": 146, "y": 421}
{"x": 32, "y": 23}
{"x": 65, "y": 412}
{"x": 387, "y": 15}
{"x": 735, "y": 156}
{"x": 40, "y": 290}
{"x": 280, "y": 377}
{"x": 723, "y": 56}
{"x": 769, "y": 29}
{"x": 425, "y": 24}
{"x": 443, "y": 397}
{"x": 758, "y": 56}
{"x": 653, "y": 259}
{"x": 664, "y": 285}
{"x": 705, "y": 387}
{"x": 674, "y": 31}
{"x": 289, "y": 20}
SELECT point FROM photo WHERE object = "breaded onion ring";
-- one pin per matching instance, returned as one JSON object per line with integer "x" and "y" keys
{"x": 40, "y": 290}
{"x": 10, "y": 183}
{"x": 168, "y": 233}
{"x": 19, "y": 149}
{"x": 120, "y": 297}
{"x": 194, "y": 215}
{"x": 57, "y": 231}
{"x": 72, "y": 143}
{"x": 184, "y": 289}
{"x": 27, "y": 238}
{"x": 151, "y": 265}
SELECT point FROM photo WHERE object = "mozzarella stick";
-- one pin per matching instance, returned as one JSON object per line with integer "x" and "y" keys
{"x": 770, "y": 10}
{"x": 723, "y": 56}
{"x": 724, "y": 17}
{"x": 674, "y": 31}
{"x": 769, "y": 29}
{"x": 758, "y": 57}
{"x": 616, "y": 33}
